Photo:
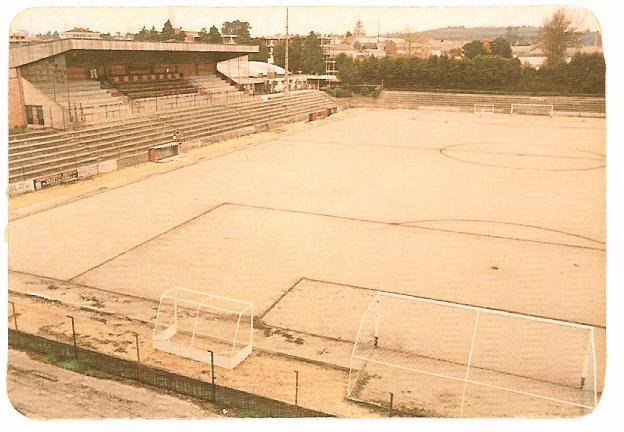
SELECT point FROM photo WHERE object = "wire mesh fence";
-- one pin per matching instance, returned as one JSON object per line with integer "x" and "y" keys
{"x": 84, "y": 115}
{"x": 152, "y": 376}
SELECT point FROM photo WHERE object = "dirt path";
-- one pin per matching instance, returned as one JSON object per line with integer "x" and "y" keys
{"x": 43, "y": 391}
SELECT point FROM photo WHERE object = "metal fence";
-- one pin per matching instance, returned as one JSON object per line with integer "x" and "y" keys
{"x": 135, "y": 371}
{"x": 86, "y": 115}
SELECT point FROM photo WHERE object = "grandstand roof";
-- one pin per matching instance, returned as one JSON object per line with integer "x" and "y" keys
{"x": 21, "y": 55}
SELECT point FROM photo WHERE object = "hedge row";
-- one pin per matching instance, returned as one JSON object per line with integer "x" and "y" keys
{"x": 584, "y": 74}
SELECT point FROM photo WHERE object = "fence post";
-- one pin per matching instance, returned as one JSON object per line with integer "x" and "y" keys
{"x": 136, "y": 339}
{"x": 14, "y": 315}
{"x": 73, "y": 332}
{"x": 391, "y": 404}
{"x": 212, "y": 375}
{"x": 296, "y": 393}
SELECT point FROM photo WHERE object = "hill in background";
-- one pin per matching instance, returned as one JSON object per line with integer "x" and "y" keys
{"x": 525, "y": 34}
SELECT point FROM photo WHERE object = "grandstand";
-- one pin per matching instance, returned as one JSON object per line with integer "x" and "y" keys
{"x": 115, "y": 104}
{"x": 69, "y": 83}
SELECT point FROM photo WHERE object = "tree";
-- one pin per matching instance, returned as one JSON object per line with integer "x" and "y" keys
{"x": 213, "y": 35}
{"x": 501, "y": 47}
{"x": 56, "y": 35}
{"x": 455, "y": 53}
{"x": 167, "y": 31}
{"x": 348, "y": 34}
{"x": 390, "y": 48}
{"x": 180, "y": 36}
{"x": 142, "y": 34}
{"x": 263, "y": 51}
{"x": 512, "y": 35}
{"x": 238, "y": 28}
{"x": 153, "y": 34}
{"x": 202, "y": 36}
{"x": 555, "y": 37}
{"x": 473, "y": 49}
{"x": 312, "y": 55}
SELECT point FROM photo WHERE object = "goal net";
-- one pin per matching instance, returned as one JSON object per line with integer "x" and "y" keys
{"x": 435, "y": 358}
{"x": 205, "y": 327}
{"x": 532, "y": 109}
{"x": 483, "y": 108}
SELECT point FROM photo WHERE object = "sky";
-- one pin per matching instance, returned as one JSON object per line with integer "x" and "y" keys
{"x": 302, "y": 19}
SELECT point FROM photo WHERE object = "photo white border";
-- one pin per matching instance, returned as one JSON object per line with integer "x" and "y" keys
{"x": 607, "y": 414}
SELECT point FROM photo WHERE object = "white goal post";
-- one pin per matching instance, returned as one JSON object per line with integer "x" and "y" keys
{"x": 483, "y": 108}
{"x": 439, "y": 358}
{"x": 204, "y": 327}
{"x": 532, "y": 109}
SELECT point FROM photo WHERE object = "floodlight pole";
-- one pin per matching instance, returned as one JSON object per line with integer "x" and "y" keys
{"x": 286, "y": 82}
{"x": 14, "y": 314}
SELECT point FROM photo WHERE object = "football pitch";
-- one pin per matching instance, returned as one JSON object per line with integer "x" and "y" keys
{"x": 494, "y": 211}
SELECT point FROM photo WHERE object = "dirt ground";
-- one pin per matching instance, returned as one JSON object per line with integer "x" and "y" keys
{"x": 503, "y": 212}
{"x": 42, "y": 391}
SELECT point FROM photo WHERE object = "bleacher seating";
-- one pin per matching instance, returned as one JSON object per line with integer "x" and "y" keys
{"x": 502, "y": 103}
{"x": 212, "y": 84}
{"x": 43, "y": 155}
{"x": 83, "y": 93}
{"x": 138, "y": 86}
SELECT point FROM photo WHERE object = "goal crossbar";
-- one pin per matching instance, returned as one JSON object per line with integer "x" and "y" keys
{"x": 477, "y": 309}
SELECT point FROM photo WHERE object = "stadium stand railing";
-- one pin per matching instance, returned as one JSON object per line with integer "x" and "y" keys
{"x": 40, "y": 157}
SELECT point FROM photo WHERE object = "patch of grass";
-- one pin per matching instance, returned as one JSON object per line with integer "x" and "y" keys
{"x": 363, "y": 379}
{"x": 251, "y": 413}
{"x": 49, "y": 358}
{"x": 73, "y": 365}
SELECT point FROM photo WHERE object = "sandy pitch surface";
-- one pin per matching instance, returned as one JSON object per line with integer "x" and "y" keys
{"x": 496, "y": 211}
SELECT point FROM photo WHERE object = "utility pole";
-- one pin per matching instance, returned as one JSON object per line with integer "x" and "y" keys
{"x": 286, "y": 82}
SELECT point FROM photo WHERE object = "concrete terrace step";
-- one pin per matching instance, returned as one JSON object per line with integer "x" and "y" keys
{"x": 30, "y": 157}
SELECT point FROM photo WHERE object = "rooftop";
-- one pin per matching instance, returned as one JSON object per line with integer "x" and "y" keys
{"x": 21, "y": 55}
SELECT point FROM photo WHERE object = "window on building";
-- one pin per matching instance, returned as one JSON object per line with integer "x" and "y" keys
{"x": 34, "y": 115}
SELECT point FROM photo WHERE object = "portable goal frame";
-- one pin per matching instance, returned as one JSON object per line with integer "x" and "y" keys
{"x": 532, "y": 109}
{"x": 402, "y": 362}
{"x": 204, "y": 327}
{"x": 483, "y": 108}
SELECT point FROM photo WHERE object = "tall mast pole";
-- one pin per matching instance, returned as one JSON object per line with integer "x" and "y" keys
{"x": 286, "y": 82}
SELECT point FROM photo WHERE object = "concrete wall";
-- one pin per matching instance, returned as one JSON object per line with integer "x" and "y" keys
{"x": 17, "y": 116}
{"x": 52, "y": 112}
